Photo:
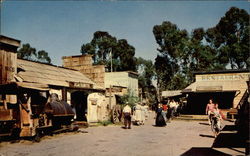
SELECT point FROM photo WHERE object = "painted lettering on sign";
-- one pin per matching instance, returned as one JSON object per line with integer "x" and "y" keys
{"x": 80, "y": 85}
{"x": 244, "y": 76}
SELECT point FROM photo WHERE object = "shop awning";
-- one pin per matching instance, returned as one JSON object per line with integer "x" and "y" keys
{"x": 34, "y": 72}
{"x": 171, "y": 93}
{"x": 36, "y": 86}
{"x": 14, "y": 85}
{"x": 214, "y": 86}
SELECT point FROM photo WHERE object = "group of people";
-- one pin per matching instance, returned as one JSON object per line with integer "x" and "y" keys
{"x": 165, "y": 112}
{"x": 138, "y": 114}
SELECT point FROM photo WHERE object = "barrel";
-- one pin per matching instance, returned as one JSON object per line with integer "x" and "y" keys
{"x": 59, "y": 108}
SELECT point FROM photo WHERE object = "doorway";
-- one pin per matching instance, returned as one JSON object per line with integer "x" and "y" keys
{"x": 196, "y": 102}
{"x": 79, "y": 102}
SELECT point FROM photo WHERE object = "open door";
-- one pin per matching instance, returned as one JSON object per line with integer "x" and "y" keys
{"x": 79, "y": 102}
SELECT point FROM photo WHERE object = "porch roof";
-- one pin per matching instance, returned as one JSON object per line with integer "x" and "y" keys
{"x": 34, "y": 72}
{"x": 214, "y": 86}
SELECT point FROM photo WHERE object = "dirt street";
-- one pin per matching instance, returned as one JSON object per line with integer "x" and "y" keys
{"x": 177, "y": 138}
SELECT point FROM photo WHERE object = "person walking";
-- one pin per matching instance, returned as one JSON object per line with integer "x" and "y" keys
{"x": 146, "y": 111}
{"x": 172, "y": 106}
{"x": 164, "y": 111}
{"x": 219, "y": 116}
{"x": 127, "y": 116}
{"x": 159, "y": 121}
{"x": 138, "y": 114}
{"x": 209, "y": 109}
{"x": 143, "y": 114}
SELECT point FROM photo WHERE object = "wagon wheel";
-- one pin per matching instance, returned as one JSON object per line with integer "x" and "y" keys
{"x": 116, "y": 114}
{"x": 37, "y": 137}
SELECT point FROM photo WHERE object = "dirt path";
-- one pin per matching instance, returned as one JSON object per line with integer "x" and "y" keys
{"x": 177, "y": 138}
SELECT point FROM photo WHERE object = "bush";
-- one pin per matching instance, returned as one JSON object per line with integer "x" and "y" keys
{"x": 105, "y": 123}
{"x": 129, "y": 99}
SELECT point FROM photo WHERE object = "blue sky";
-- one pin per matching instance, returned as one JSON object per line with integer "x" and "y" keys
{"x": 61, "y": 27}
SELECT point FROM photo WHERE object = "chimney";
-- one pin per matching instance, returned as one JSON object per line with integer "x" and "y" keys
{"x": 83, "y": 63}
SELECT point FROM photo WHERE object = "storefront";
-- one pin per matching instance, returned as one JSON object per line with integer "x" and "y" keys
{"x": 226, "y": 88}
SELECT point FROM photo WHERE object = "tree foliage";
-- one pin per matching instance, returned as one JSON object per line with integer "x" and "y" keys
{"x": 29, "y": 53}
{"x": 146, "y": 71}
{"x": 180, "y": 53}
{"x": 172, "y": 49}
{"x": 129, "y": 99}
{"x": 103, "y": 45}
{"x": 43, "y": 56}
{"x": 230, "y": 38}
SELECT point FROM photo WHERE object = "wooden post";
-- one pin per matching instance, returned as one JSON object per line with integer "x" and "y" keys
{"x": 4, "y": 101}
{"x": 111, "y": 61}
{"x": 109, "y": 97}
{"x": 64, "y": 94}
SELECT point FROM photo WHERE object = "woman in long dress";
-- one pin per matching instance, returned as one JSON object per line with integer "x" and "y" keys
{"x": 159, "y": 120}
{"x": 143, "y": 114}
{"x": 138, "y": 114}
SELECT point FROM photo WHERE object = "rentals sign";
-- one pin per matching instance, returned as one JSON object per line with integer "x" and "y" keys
{"x": 223, "y": 77}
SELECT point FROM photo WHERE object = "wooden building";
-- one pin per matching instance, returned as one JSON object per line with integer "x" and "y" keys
{"x": 8, "y": 47}
{"x": 226, "y": 87}
{"x": 72, "y": 86}
{"x": 83, "y": 63}
{"x": 122, "y": 79}
{"x": 125, "y": 79}
{"x": 116, "y": 84}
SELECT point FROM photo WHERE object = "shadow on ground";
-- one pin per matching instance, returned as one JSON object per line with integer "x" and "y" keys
{"x": 9, "y": 139}
{"x": 229, "y": 140}
{"x": 208, "y": 136}
{"x": 204, "y": 152}
{"x": 159, "y": 126}
{"x": 202, "y": 123}
{"x": 229, "y": 128}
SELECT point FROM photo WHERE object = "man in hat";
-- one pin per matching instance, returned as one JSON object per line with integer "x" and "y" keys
{"x": 127, "y": 116}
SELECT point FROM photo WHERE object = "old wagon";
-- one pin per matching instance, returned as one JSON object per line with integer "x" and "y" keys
{"x": 27, "y": 111}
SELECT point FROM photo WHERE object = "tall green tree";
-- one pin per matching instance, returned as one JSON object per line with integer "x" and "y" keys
{"x": 230, "y": 38}
{"x": 29, "y": 53}
{"x": 125, "y": 53}
{"x": 146, "y": 69}
{"x": 172, "y": 49}
{"x": 147, "y": 75}
{"x": 216, "y": 48}
{"x": 43, "y": 56}
{"x": 201, "y": 56}
{"x": 103, "y": 46}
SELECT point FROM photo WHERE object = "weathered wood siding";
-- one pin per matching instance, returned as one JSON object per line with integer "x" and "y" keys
{"x": 7, "y": 66}
{"x": 228, "y": 81}
{"x": 83, "y": 63}
{"x": 123, "y": 79}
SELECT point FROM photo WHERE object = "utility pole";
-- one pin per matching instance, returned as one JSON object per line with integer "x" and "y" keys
{"x": 110, "y": 94}
{"x": 111, "y": 60}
